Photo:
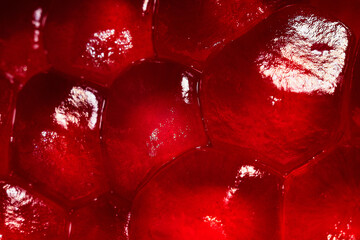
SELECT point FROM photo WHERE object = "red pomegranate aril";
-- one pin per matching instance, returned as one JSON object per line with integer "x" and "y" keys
{"x": 152, "y": 115}
{"x": 21, "y": 47}
{"x": 322, "y": 200}
{"x": 278, "y": 89}
{"x": 173, "y": 120}
{"x": 98, "y": 39}
{"x": 188, "y": 31}
{"x": 208, "y": 194}
{"x": 105, "y": 218}
{"x": 26, "y": 215}
{"x": 56, "y": 134}
{"x": 6, "y": 111}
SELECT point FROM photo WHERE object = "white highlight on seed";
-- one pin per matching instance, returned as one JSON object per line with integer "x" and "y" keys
{"x": 295, "y": 65}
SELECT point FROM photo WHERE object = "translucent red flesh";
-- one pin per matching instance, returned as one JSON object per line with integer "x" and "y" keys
{"x": 102, "y": 112}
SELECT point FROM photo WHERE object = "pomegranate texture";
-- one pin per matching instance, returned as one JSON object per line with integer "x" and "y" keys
{"x": 152, "y": 116}
{"x": 98, "y": 39}
{"x": 281, "y": 95}
{"x": 177, "y": 120}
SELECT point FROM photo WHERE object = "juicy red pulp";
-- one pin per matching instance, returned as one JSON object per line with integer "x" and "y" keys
{"x": 114, "y": 134}
{"x": 280, "y": 96}
{"x": 56, "y": 136}
{"x": 152, "y": 116}
{"x": 98, "y": 39}
{"x": 207, "y": 194}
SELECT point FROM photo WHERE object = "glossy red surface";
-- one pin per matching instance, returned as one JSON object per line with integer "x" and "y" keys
{"x": 322, "y": 200}
{"x": 21, "y": 46}
{"x": 98, "y": 39}
{"x": 152, "y": 115}
{"x": 110, "y": 142}
{"x": 25, "y": 215}
{"x": 280, "y": 95}
{"x": 189, "y": 31}
{"x": 56, "y": 136}
{"x": 207, "y": 194}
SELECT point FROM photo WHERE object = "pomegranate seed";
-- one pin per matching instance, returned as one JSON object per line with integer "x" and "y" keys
{"x": 278, "y": 89}
{"x": 152, "y": 116}
{"x": 98, "y": 39}
{"x": 207, "y": 194}
{"x": 57, "y": 141}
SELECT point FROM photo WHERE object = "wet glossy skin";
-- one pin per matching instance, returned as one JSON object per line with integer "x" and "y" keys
{"x": 21, "y": 47}
{"x": 56, "y": 136}
{"x": 207, "y": 194}
{"x": 189, "y": 31}
{"x": 152, "y": 116}
{"x": 98, "y": 39}
{"x": 281, "y": 90}
{"x": 280, "y": 96}
{"x": 322, "y": 200}
{"x": 25, "y": 215}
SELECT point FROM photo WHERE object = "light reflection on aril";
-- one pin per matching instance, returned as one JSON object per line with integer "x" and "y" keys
{"x": 38, "y": 22}
{"x": 17, "y": 201}
{"x": 308, "y": 58}
{"x": 342, "y": 231}
{"x": 242, "y": 16}
{"x": 274, "y": 100}
{"x": 185, "y": 200}
{"x": 145, "y": 6}
{"x": 80, "y": 107}
{"x": 105, "y": 47}
{"x": 215, "y": 224}
{"x": 48, "y": 141}
{"x": 245, "y": 171}
{"x": 185, "y": 89}
{"x": 126, "y": 228}
{"x": 167, "y": 130}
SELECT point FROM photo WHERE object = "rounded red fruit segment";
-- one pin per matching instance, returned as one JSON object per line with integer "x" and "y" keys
{"x": 206, "y": 194}
{"x": 152, "y": 116}
{"x": 28, "y": 216}
{"x": 322, "y": 198}
{"x": 98, "y": 39}
{"x": 57, "y": 142}
{"x": 6, "y": 110}
{"x": 104, "y": 218}
{"x": 188, "y": 31}
{"x": 21, "y": 47}
{"x": 278, "y": 89}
